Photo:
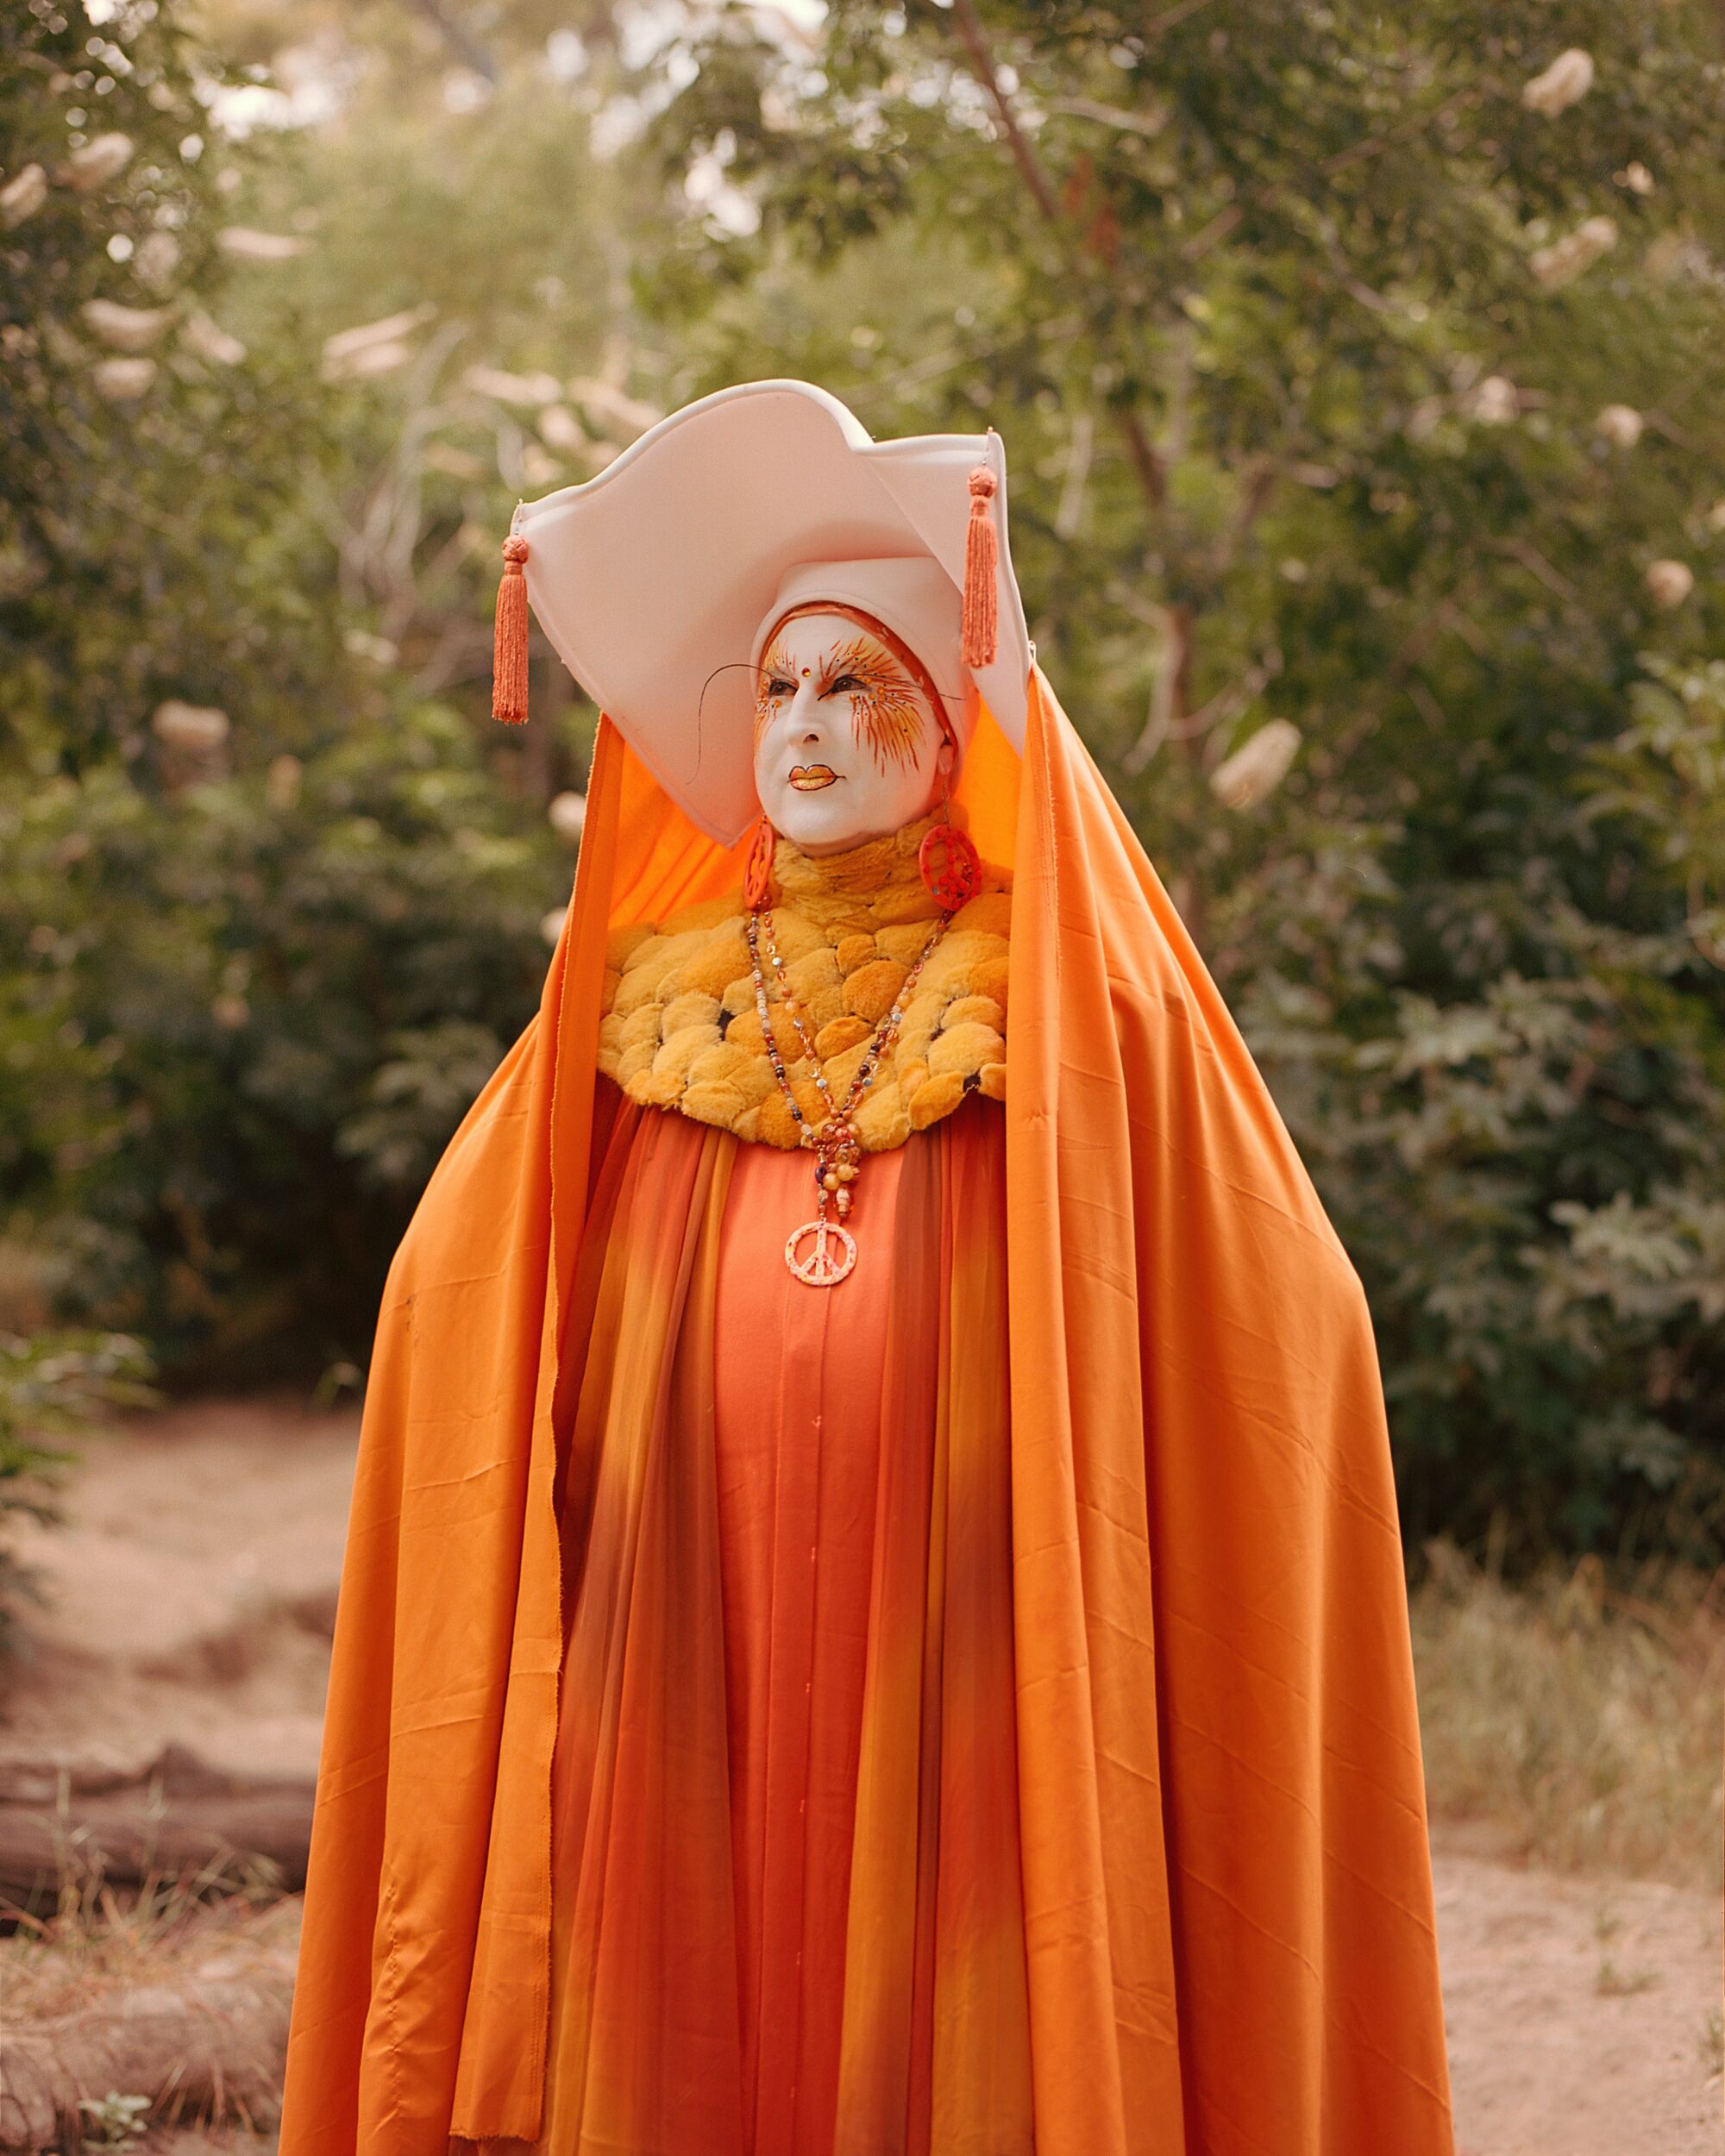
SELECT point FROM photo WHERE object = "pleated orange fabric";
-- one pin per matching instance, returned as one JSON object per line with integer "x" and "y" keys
{"x": 1228, "y": 1944}
{"x": 799, "y": 1398}
{"x": 786, "y": 1903}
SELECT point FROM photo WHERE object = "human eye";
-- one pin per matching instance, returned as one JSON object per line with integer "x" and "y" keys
{"x": 844, "y": 681}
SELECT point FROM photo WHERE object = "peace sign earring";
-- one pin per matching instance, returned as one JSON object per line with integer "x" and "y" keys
{"x": 947, "y": 861}
{"x": 758, "y": 867}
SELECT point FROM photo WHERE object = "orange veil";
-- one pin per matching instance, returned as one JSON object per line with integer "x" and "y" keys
{"x": 1226, "y": 1886}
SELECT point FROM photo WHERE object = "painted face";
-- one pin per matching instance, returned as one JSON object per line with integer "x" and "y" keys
{"x": 847, "y": 746}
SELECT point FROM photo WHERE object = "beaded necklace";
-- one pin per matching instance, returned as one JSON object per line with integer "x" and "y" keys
{"x": 833, "y": 1142}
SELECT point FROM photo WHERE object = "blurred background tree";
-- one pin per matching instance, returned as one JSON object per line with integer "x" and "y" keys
{"x": 271, "y": 910}
{"x": 1361, "y": 381}
{"x": 1362, "y": 375}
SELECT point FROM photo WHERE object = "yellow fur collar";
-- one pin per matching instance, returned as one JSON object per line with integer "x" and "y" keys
{"x": 681, "y": 1029}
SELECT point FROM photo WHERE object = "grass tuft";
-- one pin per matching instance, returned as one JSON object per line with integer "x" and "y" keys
{"x": 1578, "y": 1715}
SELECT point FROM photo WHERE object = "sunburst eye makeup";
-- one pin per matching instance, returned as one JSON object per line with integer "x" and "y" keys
{"x": 885, "y": 709}
{"x": 884, "y": 706}
{"x": 776, "y": 680}
{"x": 847, "y": 731}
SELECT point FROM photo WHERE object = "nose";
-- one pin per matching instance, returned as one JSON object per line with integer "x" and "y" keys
{"x": 806, "y": 713}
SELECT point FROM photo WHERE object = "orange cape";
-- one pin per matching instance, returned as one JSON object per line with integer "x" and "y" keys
{"x": 1226, "y": 1884}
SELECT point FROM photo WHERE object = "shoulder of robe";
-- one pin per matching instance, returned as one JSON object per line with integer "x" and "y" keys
{"x": 680, "y": 1029}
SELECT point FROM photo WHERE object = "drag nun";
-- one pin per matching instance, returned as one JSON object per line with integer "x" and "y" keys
{"x": 873, "y": 1622}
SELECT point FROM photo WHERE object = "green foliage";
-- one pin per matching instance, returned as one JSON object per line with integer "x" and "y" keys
{"x": 116, "y": 2121}
{"x": 225, "y": 988}
{"x": 1366, "y": 414}
{"x": 272, "y": 910}
{"x": 52, "y": 1385}
{"x": 1346, "y": 388}
{"x": 157, "y": 532}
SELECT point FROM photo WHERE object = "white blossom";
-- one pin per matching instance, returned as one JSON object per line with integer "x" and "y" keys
{"x": 344, "y": 355}
{"x": 531, "y": 390}
{"x": 604, "y": 398}
{"x": 157, "y": 259}
{"x": 98, "y": 162}
{"x": 246, "y": 244}
{"x": 210, "y": 341}
{"x": 198, "y": 727}
{"x": 561, "y": 428}
{"x": 122, "y": 380}
{"x": 1621, "y": 424}
{"x": 551, "y": 928}
{"x": 1568, "y": 257}
{"x": 778, "y": 110}
{"x": 22, "y": 195}
{"x": 1495, "y": 402}
{"x": 1257, "y": 767}
{"x": 444, "y": 456}
{"x": 567, "y": 815}
{"x": 1565, "y": 83}
{"x": 126, "y": 328}
{"x": 1670, "y": 582}
{"x": 281, "y": 783}
{"x": 381, "y": 651}
{"x": 367, "y": 364}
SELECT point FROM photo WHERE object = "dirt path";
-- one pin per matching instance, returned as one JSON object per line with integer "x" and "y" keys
{"x": 190, "y": 1593}
{"x": 1584, "y": 2015}
{"x": 190, "y": 1599}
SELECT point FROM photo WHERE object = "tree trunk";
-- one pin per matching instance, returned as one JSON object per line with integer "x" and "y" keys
{"x": 212, "y": 2047}
{"x": 178, "y": 1817}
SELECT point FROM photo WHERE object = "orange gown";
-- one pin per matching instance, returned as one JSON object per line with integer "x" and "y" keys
{"x": 1222, "y": 1893}
{"x": 793, "y": 1552}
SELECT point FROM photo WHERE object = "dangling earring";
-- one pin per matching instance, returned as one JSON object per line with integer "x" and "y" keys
{"x": 947, "y": 861}
{"x": 757, "y": 868}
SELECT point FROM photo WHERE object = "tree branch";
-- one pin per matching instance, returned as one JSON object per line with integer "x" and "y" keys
{"x": 1359, "y": 152}
{"x": 982, "y": 67}
{"x": 1142, "y": 455}
{"x": 460, "y": 40}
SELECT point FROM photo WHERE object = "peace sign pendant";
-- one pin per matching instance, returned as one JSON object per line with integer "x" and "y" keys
{"x": 831, "y": 1258}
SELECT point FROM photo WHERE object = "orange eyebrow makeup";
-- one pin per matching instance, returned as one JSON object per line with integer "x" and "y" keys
{"x": 884, "y": 708}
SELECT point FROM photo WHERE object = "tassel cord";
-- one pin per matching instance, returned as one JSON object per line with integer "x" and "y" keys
{"x": 509, "y": 648}
{"x": 980, "y": 626}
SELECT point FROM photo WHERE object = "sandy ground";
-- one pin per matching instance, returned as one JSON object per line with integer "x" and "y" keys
{"x": 190, "y": 1599}
{"x": 1583, "y": 2013}
{"x": 188, "y": 1596}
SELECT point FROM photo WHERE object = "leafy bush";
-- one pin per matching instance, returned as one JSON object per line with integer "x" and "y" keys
{"x": 1364, "y": 382}
{"x": 253, "y": 1010}
{"x": 271, "y": 910}
{"x": 52, "y": 1386}
{"x": 1364, "y": 385}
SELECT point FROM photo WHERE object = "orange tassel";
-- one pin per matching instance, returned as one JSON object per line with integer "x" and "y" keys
{"x": 509, "y": 649}
{"x": 980, "y": 625}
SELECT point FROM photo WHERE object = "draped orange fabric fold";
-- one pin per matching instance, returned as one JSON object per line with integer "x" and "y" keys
{"x": 1226, "y": 1908}
{"x": 784, "y": 1922}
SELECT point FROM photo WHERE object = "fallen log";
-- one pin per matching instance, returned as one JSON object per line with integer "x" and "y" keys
{"x": 177, "y": 1818}
{"x": 212, "y": 2046}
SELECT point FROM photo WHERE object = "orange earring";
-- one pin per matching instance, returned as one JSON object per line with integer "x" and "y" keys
{"x": 757, "y": 868}
{"x": 947, "y": 861}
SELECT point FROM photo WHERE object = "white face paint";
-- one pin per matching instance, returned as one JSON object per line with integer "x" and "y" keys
{"x": 847, "y": 746}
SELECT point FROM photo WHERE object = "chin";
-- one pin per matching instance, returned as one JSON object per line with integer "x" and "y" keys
{"x": 812, "y": 821}
{"x": 838, "y": 816}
